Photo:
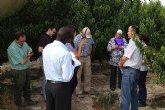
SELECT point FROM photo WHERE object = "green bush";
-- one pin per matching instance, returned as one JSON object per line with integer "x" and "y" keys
{"x": 106, "y": 101}
{"x": 102, "y": 16}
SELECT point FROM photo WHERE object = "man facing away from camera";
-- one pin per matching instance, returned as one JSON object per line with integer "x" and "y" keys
{"x": 59, "y": 70}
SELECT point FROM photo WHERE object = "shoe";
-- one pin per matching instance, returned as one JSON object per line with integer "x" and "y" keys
{"x": 113, "y": 88}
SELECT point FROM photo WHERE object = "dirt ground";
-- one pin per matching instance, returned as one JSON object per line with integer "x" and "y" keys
{"x": 100, "y": 83}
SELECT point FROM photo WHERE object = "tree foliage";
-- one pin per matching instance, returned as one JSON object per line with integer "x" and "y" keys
{"x": 103, "y": 17}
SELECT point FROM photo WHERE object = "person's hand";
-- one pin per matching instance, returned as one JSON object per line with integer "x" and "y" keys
{"x": 29, "y": 54}
{"x": 121, "y": 47}
{"x": 83, "y": 41}
{"x": 120, "y": 66}
{"x": 116, "y": 46}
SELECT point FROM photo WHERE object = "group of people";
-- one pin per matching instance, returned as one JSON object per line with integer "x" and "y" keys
{"x": 66, "y": 65}
{"x": 127, "y": 62}
{"x": 64, "y": 61}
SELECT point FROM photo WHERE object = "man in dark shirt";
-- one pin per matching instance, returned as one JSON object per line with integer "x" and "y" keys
{"x": 45, "y": 39}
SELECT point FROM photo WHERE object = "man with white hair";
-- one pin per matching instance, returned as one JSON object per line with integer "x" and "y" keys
{"x": 85, "y": 41}
{"x": 116, "y": 47}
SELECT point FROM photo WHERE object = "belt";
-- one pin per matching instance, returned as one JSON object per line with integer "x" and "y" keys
{"x": 126, "y": 67}
{"x": 55, "y": 82}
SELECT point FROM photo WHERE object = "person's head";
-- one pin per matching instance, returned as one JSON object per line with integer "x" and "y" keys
{"x": 145, "y": 38}
{"x": 86, "y": 33}
{"x": 119, "y": 33}
{"x": 20, "y": 37}
{"x": 72, "y": 29}
{"x": 132, "y": 31}
{"x": 64, "y": 34}
{"x": 51, "y": 30}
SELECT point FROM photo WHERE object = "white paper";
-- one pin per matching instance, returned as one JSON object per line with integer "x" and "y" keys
{"x": 76, "y": 61}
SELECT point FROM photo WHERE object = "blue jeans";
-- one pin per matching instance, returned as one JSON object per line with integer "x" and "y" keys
{"x": 44, "y": 79}
{"x": 129, "y": 89}
{"x": 142, "y": 87}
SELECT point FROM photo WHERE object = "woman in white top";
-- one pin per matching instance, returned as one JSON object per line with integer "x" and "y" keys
{"x": 143, "y": 73}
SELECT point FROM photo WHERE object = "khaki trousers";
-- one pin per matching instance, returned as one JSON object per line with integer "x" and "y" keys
{"x": 84, "y": 70}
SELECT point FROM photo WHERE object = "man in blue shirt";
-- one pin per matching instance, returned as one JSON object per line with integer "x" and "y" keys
{"x": 19, "y": 54}
{"x": 85, "y": 40}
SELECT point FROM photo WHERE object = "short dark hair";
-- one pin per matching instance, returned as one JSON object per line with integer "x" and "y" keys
{"x": 19, "y": 34}
{"x": 50, "y": 27}
{"x": 145, "y": 38}
{"x": 135, "y": 28}
{"x": 64, "y": 34}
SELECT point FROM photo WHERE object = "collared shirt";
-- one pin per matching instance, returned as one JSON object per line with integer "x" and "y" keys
{"x": 70, "y": 47}
{"x": 45, "y": 40}
{"x": 85, "y": 49}
{"x": 16, "y": 54}
{"x": 57, "y": 62}
{"x": 132, "y": 52}
{"x": 116, "y": 54}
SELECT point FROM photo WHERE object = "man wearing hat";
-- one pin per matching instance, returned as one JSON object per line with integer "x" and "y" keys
{"x": 116, "y": 47}
{"x": 85, "y": 41}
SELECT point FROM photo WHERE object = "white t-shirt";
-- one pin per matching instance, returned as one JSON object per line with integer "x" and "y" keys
{"x": 133, "y": 54}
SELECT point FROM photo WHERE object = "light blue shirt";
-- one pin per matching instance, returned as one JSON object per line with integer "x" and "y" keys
{"x": 16, "y": 54}
{"x": 57, "y": 62}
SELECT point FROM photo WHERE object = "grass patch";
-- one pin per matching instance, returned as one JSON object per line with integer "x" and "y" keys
{"x": 106, "y": 101}
{"x": 158, "y": 102}
{"x": 7, "y": 101}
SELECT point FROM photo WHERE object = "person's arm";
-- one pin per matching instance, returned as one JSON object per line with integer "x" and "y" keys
{"x": 82, "y": 42}
{"x": 14, "y": 56}
{"x": 111, "y": 45}
{"x": 40, "y": 49}
{"x": 67, "y": 67}
{"x": 41, "y": 44}
{"x": 127, "y": 54}
{"x": 122, "y": 61}
{"x": 27, "y": 58}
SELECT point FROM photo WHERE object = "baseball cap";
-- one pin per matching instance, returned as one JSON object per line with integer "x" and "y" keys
{"x": 87, "y": 32}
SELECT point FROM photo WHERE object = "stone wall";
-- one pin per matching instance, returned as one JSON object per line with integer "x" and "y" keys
{"x": 6, "y": 66}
